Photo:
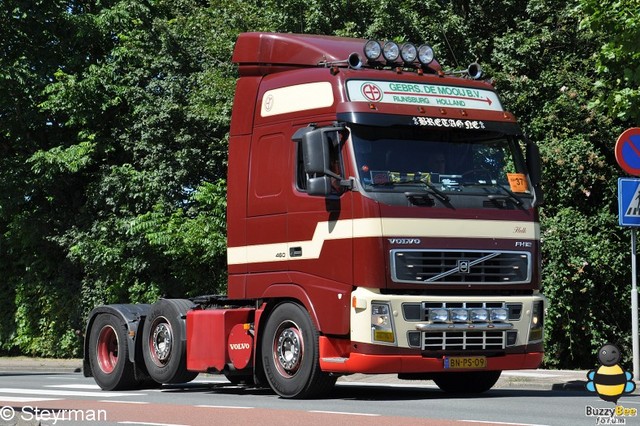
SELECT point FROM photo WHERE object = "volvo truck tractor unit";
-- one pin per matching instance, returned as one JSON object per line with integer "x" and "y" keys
{"x": 381, "y": 218}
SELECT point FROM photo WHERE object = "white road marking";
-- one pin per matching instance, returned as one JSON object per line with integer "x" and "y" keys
{"x": 76, "y": 386}
{"x": 124, "y": 402}
{"x": 54, "y": 392}
{"x": 501, "y": 423}
{"x": 528, "y": 374}
{"x": 26, "y": 399}
{"x": 149, "y": 424}
{"x": 344, "y": 413}
{"x": 223, "y": 406}
{"x": 390, "y": 385}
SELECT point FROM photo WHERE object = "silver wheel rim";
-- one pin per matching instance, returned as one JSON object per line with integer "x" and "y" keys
{"x": 161, "y": 341}
{"x": 288, "y": 348}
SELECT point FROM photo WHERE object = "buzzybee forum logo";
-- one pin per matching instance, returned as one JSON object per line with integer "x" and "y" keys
{"x": 610, "y": 382}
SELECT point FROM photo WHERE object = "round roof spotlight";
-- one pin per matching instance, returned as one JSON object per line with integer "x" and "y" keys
{"x": 425, "y": 54}
{"x": 408, "y": 53}
{"x": 390, "y": 51}
{"x": 372, "y": 50}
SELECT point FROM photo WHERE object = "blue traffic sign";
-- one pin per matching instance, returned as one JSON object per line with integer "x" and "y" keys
{"x": 629, "y": 201}
{"x": 628, "y": 151}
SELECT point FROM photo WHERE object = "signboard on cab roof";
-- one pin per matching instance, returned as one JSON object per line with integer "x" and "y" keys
{"x": 422, "y": 94}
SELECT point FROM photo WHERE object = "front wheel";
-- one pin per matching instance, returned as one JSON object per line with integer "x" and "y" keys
{"x": 109, "y": 354}
{"x": 290, "y": 354}
{"x": 467, "y": 382}
{"x": 164, "y": 343}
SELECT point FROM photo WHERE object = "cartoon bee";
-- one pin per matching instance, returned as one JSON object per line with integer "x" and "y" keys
{"x": 610, "y": 381}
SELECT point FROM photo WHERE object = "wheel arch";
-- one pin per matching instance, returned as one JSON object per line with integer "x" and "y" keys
{"x": 131, "y": 315}
{"x": 279, "y": 293}
{"x": 326, "y": 321}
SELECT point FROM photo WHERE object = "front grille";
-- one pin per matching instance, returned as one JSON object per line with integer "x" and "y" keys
{"x": 464, "y": 340}
{"x": 460, "y": 267}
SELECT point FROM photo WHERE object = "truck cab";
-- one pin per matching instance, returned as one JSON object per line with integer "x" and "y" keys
{"x": 381, "y": 219}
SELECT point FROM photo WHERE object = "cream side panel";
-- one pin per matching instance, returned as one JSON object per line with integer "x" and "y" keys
{"x": 386, "y": 227}
{"x": 460, "y": 228}
{"x": 300, "y": 97}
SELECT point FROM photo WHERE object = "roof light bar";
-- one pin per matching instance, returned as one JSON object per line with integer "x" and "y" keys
{"x": 391, "y": 54}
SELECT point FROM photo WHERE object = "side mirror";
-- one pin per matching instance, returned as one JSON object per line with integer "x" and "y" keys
{"x": 534, "y": 166}
{"x": 316, "y": 146}
{"x": 315, "y": 151}
{"x": 319, "y": 186}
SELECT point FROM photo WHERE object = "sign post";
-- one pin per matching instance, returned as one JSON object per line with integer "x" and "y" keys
{"x": 634, "y": 305}
{"x": 628, "y": 157}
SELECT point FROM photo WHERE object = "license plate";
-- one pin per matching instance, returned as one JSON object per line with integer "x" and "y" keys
{"x": 465, "y": 362}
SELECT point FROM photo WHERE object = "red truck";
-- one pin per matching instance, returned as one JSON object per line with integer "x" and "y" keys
{"x": 381, "y": 218}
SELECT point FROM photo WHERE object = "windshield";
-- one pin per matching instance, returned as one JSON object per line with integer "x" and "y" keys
{"x": 454, "y": 161}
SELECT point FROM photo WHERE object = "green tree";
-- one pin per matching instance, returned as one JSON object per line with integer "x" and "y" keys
{"x": 114, "y": 128}
{"x": 38, "y": 283}
{"x": 616, "y": 24}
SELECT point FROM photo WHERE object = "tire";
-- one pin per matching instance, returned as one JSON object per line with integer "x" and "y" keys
{"x": 469, "y": 383}
{"x": 290, "y": 353}
{"x": 164, "y": 346}
{"x": 109, "y": 354}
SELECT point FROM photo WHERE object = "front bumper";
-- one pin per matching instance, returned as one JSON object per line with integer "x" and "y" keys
{"x": 412, "y": 343}
{"x": 335, "y": 358}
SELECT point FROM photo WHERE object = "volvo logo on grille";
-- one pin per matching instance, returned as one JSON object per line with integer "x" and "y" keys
{"x": 464, "y": 266}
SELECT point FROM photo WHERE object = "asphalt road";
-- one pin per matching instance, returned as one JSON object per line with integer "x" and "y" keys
{"x": 41, "y": 392}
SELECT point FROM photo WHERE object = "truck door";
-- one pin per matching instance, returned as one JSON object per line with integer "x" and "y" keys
{"x": 320, "y": 228}
{"x": 269, "y": 166}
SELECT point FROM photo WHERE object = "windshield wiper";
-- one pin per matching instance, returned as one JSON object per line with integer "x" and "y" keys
{"x": 431, "y": 188}
{"x": 441, "y": 195}
{"x": 508, "y": 192}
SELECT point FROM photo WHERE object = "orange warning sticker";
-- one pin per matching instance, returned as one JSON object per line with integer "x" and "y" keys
{"x": 518, "y": 182}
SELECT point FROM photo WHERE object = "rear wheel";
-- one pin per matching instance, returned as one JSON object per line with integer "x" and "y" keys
{"x": 467, "y": 382}
{"x": 290, "y": 354}
{"x": 164, "y": 347}
{"x": 109, "y": 354}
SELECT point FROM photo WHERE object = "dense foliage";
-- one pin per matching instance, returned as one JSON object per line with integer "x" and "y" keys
{"x": 113, "y": 132}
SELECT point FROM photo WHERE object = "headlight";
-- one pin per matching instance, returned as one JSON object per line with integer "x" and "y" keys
{"x": 438, "y": 315}
{"x": 381, "y": 322}
{"x": 499, "y": 314}
{"x": 478, "y": 315}
{"x": 537, "y": 321}
{"x": 459, "y": 315}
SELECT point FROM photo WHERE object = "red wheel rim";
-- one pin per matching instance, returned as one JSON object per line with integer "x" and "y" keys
{"x": 107, "y": 349}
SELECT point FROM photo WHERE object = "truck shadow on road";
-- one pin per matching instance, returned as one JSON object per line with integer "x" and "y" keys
{"x": 382, "y": 392}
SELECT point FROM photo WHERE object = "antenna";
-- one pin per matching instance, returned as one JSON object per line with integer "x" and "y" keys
{"x": 446, "y": 40}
